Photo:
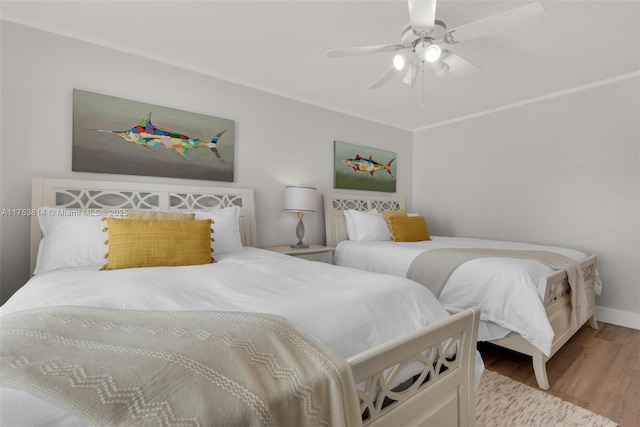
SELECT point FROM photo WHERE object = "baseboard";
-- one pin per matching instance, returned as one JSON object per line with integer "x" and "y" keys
{"x": 628, "y": 319}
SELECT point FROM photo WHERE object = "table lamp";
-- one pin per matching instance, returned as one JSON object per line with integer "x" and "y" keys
{"x": 300, "y": 199}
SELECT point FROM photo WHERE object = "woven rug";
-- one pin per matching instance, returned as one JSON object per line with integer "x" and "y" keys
{"x": 501, "y": 401}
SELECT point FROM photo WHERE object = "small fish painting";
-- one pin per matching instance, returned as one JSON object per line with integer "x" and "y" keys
{"x": 359, "y": 164}
{"x": 162, "y": 142}
{"x": 350, "y": 161}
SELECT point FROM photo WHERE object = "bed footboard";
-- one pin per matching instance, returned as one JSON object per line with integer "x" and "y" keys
{"x": 442, "y": 394}
{"x": 558, "y": 292}
{"x": 557, "y": 302}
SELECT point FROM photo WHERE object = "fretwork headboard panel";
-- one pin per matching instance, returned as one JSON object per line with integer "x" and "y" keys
{"x": 336, "y": 203}
{"x": 104, "y": 195}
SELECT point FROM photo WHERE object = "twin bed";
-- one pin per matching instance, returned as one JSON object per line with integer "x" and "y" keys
{"x": 256, "y": 337}
{"x": 527, "y": 303}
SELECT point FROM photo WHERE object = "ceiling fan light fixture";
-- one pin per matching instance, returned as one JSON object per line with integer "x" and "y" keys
{"x": 399, "y": 62}
{"x": 410, "y": 77}
{"x": 432, "y": 53}
{"x": 441, "y": 68}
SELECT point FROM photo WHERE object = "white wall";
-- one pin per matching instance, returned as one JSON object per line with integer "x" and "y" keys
{"x": 278, "y": 141}
{"x": 563, "y": 171}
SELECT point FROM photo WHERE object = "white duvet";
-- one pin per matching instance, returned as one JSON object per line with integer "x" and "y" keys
{"x": 349, "y": 310}
{"x": 509, "y": 291}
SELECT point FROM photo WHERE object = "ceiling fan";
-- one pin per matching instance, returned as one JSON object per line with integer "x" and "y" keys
{"x": 424, "y": 42}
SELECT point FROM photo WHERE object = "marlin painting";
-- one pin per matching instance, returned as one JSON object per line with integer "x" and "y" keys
{"x": 360, "y": 164}
{"x": 149, "y": 135}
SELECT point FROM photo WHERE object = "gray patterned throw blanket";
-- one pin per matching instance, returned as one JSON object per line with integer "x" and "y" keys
{"x": 432, "y": 269}
{"x": 127, "y": 367}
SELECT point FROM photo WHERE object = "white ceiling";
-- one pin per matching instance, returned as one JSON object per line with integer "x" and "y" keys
{"x": 279, "y": 46}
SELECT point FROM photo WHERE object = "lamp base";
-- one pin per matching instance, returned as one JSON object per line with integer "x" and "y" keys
{"x": 300, "y": 233}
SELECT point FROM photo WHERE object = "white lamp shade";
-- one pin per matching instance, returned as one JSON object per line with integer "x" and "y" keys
{"x": 300, "y": 199}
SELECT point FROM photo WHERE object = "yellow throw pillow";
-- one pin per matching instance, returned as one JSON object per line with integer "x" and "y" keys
{"x": 409, "y": 229}
{"x": 144, "y": 215}
{"x": 387, "y": 215}
{"x": 134, "y": 243}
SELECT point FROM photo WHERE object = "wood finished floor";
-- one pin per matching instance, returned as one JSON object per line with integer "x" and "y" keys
{"x": 596, "y": 369}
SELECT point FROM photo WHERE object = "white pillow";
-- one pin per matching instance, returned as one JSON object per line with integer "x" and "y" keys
{"x": 351, "y": 228}
{"x": 226, "y": 229}
{"x": 366, "y": 226}
{"x": 71, "y": 238}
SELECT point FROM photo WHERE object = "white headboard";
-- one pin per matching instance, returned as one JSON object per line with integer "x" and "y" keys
{"x": 336, "y": 203}
{"x": 82, "y": 194}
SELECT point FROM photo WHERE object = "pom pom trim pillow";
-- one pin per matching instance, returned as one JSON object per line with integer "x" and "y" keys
{"x": 409, "y": 228}
{"x": 155, "y": 243}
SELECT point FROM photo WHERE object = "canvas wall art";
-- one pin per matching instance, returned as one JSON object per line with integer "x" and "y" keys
{"x": 116, "y": 135}
{"x": 363, "y": 168}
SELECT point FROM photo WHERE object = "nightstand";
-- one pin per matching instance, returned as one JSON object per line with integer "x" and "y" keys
{"x": 312, "y": 253}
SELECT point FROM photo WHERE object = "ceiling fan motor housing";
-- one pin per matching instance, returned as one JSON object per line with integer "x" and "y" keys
{"x": 409, "y": 37}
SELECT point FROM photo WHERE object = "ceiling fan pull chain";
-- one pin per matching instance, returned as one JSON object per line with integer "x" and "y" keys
{"x": 422, "y": 85}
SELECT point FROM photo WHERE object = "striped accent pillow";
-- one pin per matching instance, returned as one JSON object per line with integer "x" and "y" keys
{"x": 134, "y": 243}
{"x": 148, "y": 215}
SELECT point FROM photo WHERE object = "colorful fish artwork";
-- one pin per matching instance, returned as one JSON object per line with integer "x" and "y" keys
{"x": 360, "y": 164}
{"x": 150, "y": 136}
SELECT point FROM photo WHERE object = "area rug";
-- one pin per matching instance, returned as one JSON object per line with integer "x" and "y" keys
{"x": 501, "y": 401}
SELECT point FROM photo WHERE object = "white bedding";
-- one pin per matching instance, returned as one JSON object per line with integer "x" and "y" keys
{"x": 349, "y": 310}
{"x": 508, "y": 291}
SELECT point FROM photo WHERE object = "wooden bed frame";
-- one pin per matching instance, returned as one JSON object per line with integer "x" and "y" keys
{"x": 443, "y": 393}
{"x": 557, "y": 299}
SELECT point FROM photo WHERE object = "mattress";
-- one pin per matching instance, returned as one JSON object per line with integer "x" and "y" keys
{"x": 349, "y": 310}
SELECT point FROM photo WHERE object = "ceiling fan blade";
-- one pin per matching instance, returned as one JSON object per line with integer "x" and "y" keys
{"x": 492, "y": 24}
{"x": 334, "y": 53}
{"x": 384, "y": 78}
{"x": 458, "y": 66}
{"x": 422, "y": 14}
